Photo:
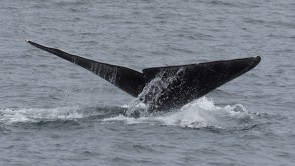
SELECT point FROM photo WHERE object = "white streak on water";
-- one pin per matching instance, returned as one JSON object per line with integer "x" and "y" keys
{"x": 37, "y": 114}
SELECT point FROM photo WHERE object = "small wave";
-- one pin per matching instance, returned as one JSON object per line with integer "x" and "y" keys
{"x": 3, "y": 129}
{"x": 201, "y": 113}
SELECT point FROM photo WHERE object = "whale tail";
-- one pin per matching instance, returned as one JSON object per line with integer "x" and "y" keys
{"x": 189, "y": 81}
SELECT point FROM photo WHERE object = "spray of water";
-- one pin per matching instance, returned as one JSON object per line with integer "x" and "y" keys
{"x": 152, "y": 92}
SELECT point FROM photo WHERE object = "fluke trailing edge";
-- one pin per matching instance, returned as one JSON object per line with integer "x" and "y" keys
{"x": 168, "y": 87}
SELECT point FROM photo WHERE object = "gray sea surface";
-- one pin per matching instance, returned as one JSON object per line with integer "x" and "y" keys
{"x": 53, "y": 112}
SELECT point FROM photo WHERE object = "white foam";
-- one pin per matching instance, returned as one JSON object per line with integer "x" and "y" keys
{"x": 197, "y": 114}
{"x": 35, "y": 114}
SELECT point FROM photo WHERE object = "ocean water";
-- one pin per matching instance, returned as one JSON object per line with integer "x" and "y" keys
{"x": 55, "y": 113}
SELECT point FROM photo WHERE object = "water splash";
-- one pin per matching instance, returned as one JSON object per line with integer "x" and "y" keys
{"x": 200, "y": 113}
{"x": 153, "y": 92}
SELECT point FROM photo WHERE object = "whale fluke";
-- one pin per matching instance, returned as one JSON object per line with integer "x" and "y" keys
{"x": 128, "y": 80}
{"x": 163, "y": 88}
